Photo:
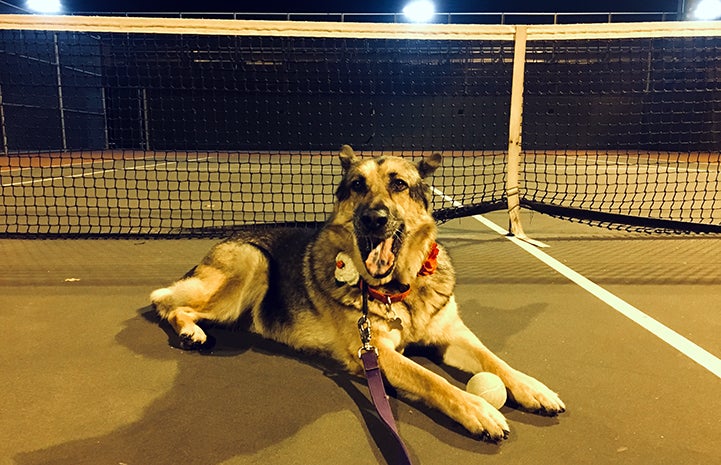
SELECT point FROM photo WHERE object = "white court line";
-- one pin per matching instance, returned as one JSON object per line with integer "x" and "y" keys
{"x": 61, "y": 165}
{"x": 93, "y": 173}
{"x": 693, "y": 351}
{"x": 668, "y": 168}
{"x": 616, "y": 169}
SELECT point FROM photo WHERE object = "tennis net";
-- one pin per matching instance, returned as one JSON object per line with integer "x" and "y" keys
{"x": 151, "y": 126}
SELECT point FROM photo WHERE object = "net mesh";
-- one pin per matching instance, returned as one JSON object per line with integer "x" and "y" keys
{"x": 181, "y": 134}
{"x": 628, "y": 127}
{"x": 190, "y": 135}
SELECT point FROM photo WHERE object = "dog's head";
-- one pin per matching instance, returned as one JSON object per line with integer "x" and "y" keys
{"x": 385, "y": 204}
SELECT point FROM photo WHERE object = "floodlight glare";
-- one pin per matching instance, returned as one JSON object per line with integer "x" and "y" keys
{"x": 707, "y": 10}
{"x": 419, "y": 11}
{"x": 44, "y": 6}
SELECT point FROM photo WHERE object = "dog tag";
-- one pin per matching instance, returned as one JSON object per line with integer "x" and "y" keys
{"x": 393, "y": 320}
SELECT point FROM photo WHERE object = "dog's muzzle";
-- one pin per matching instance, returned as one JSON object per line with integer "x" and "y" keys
{"x": 374, "y": 221}
{"x": 379, "y": 237}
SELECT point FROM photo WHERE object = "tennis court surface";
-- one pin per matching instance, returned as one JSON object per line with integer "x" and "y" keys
{"x": 144, "y": 132}
{"x": 91, "y": 377}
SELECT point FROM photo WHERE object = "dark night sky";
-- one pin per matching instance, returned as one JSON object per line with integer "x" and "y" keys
{"x": 358, "y": 6}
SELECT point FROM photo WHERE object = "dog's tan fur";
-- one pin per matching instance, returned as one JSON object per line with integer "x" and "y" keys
{"x": 284, "y": 280}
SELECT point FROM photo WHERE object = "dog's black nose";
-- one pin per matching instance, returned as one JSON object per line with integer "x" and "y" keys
{"x": 374, "y": 220}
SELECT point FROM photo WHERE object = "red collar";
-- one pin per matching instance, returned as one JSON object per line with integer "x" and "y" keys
{"x": 428, "y": 267}
{"x": 376, "y": 294}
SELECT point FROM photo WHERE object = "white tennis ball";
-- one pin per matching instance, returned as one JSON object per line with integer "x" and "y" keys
{"x": 488, "y": 386}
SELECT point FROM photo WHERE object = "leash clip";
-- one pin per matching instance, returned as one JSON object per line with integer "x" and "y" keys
{"x": 364, "y": 328}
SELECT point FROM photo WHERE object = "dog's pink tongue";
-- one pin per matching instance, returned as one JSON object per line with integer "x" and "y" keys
{"x": 381, "y": 259}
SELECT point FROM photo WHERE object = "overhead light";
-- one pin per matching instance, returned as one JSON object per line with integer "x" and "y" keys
{"x": 707, "y": 10}
{"x": 44, "y": 6}
{"x": 419, "y": 11}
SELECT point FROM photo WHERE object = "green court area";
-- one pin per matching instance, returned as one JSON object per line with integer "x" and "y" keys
{"x": 192, "y": 193}
{"x": 90, "y": 376}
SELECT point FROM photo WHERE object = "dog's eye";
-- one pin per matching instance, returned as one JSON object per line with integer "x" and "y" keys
{"x": 398, "y": 185}
{"x": 358, "y": 185}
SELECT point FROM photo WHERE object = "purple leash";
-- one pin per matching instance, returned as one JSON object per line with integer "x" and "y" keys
{"x": 369, "y": 356}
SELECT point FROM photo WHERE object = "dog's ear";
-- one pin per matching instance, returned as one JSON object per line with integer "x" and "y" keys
{"x": 347, "y": 157}
{"x": 428, "y": 165}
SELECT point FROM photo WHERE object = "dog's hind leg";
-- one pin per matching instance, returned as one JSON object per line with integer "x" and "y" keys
{"x": 231, "y": 279}
{"x": 180, "y": 306}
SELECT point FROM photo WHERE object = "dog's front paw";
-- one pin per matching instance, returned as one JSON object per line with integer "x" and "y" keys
{"x": 533, "y": 395}
{"x": 482, "y": 419}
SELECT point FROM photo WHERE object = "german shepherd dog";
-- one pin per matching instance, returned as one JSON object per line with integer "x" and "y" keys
{"x": 302, "y": 288}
